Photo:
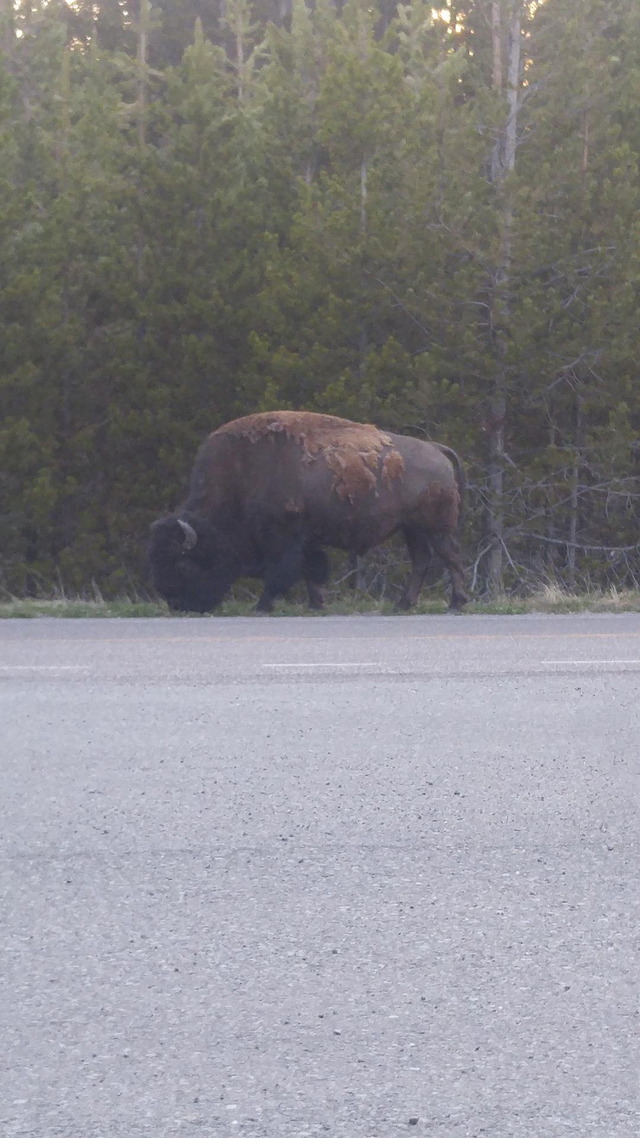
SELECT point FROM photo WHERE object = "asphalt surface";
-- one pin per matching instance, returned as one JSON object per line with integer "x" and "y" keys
{"x": 362, "y": 876}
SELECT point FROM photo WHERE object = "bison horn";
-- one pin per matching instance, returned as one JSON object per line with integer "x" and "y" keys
{"x": 190, "y": 535}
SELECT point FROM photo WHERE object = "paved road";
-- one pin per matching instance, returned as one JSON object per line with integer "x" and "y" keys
{"x": 363, "y": 877}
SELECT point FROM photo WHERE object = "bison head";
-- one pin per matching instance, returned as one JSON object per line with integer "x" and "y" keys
{"x": 190, "y": 564}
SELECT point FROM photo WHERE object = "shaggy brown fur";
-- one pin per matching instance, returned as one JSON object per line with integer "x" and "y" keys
{"x": 392, "y": 467}
{"x": 270, "y": 492}
{"x": 352, "y": 451}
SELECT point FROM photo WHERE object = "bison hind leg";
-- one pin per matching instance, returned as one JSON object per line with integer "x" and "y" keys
{"x": 447, "y": 548}
{"x": 419, "y": 548}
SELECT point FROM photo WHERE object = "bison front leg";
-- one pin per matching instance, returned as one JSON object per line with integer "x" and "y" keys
{"x": 283, "y": 567}
{"x": 316, "y": 572}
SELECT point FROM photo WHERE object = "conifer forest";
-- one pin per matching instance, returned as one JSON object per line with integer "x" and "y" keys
{"x": 425, "y": 216}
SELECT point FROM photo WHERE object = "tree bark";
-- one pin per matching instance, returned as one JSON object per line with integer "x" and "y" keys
{"x": 506, "y": 25}
{"x": 363, "y": 196}
{"x": 496, "y": 41}
{"x": 143, "y": 37}
{"x": 575, "y": 495}
{"x": 585, "y": 144}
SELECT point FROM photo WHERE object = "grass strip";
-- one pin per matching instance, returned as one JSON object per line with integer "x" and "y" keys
{"x": 548, "y": 600}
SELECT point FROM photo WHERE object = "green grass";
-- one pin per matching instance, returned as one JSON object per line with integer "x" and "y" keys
{"x": 548, "y": 600}
{"x": 78, "y": 608}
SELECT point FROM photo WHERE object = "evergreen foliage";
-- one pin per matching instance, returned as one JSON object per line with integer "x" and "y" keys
{"x": 423, "y": 216}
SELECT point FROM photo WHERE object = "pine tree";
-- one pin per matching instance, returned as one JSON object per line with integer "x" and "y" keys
{"x": 579, "y": 253}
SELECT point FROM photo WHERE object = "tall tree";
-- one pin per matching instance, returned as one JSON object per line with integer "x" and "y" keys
{"x": 579, "y": 190}
{"x": 507, "y": 18}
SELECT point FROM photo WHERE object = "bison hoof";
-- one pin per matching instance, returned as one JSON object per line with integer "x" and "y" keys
{"x": 457, "y": 605}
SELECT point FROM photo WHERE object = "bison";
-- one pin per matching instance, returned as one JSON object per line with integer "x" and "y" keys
{"x": 270, "y": 491}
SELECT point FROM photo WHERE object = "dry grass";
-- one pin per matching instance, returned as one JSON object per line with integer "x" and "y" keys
{"x": 552, "y": 599}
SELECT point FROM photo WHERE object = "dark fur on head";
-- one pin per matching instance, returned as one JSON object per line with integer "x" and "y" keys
{"x": 191, "y": 575}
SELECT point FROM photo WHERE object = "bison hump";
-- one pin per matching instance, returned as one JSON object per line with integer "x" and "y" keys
{"x": 352, "y": 451}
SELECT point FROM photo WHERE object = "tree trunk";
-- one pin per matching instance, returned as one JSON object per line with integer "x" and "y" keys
{"x": 240, "y": 61}
{"x": 143, "y": 37}
{"x": 585, "y": 143}
{"x": 496, "y": 42}
{"x": 363, "y": 196}
{"x": 575, "y": 495}
{"x": 506, "y": 23}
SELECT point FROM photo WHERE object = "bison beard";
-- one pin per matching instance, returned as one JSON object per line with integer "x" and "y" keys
{"x": 269, "y": 491}
{"x": 186, "y": 581}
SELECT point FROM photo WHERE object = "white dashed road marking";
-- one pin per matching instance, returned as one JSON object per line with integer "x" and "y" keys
{"x": 594, "y": 663}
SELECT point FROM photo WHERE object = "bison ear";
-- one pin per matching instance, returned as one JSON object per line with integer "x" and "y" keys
{"x": 190, "y": 535}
